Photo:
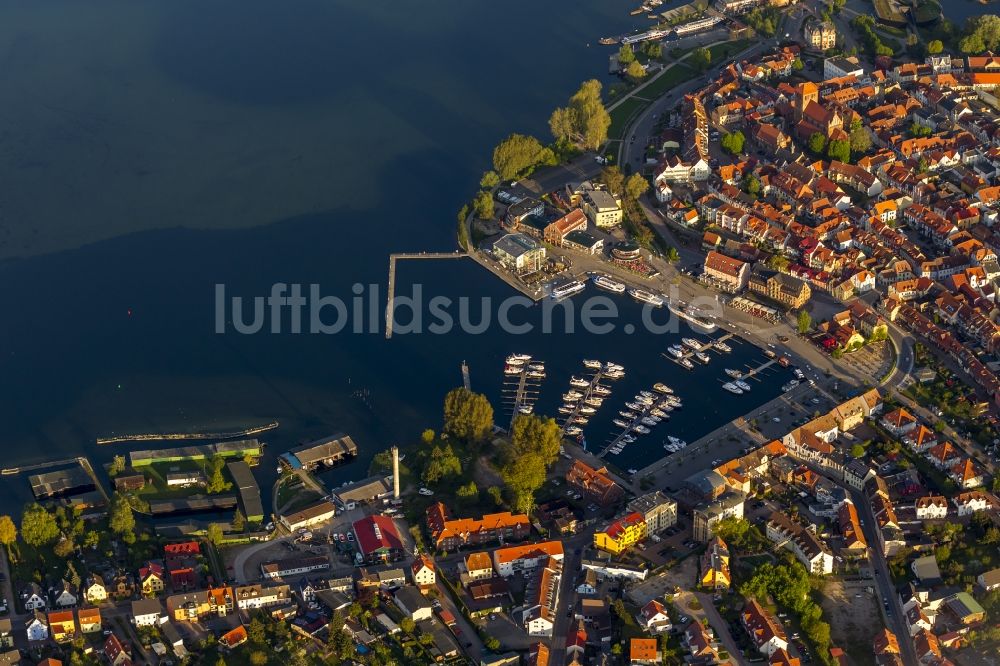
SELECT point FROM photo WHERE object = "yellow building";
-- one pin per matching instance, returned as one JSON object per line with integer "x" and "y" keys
{"x": 622, "y": 534}
{"x": 715, "y": 565}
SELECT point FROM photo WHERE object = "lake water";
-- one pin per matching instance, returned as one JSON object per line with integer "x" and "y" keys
{"x": 150, "y": 151}
{"x": 959, "y": 10}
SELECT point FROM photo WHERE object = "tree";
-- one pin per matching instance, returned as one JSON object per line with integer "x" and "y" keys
{"x": 626, "y": 55}
{"x": 443, "y": 464}
{"x": 982, "y": 34}
{"x": 653, "y": 49}
{"x": 258, "y": 658}
{"x": 468, "y": 493}
{"x": 428, "y": 436}
{"x": 117, "y": 465}
{"x": 839, "y": 150}
{"x": 919, "y": 131}
{"x": 492, "y": 643}
{"x": 214, "y": 533}
{"x": 482, "y": 204}
{"x": 534, "y": 434}
{"x": 732, "y": 142}
{"x": 8, "y": 531}
{"x": 635, "y": 71}
{"x": 216, "y": 481}
{"x": 935, "y": 46}
{"x": 635, "y": 187}
{"x": 38, "y": 526}
{"x": 732, "y": 530}
{"x": 239, "y": 521}
{"x": 121, "y": 521}
{"x": 817, "y": 143}
{"x": 613, "y": 177}
{"x": 797, "y": 65}
{"x": 777, "y": 262}
{"x": 489, "y": 180}
{"x": 673, "y": 256}
{"x": 523, "y": 475}
{"x": 382, "y": 461}
{"x": 804, "y": 322}
{"x": 861, "y": 140}
{"x": 701, "y": 58}
{"x": 751, "y": 185}
{"x": 407, "y": 625}
{"x": 584, "y": 121}
{"x": 857, "y": 451}
{"x": 495, "y": 493}
{"x": 256, "y": 633}
{"x": 467, "y": 415}
{"x": 63, "y": 548}
{"x": 517, "y": 155}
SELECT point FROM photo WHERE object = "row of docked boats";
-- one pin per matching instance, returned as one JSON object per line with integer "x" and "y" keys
{"x": 644, "y": 412}
{"x": 607, "y": 283}
{"x": 737, "y": 386}
{"x": 586, "y": 395}
{"x": 521, "y": 364}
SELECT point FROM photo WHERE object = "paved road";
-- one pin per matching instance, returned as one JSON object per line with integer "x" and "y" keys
{"x": 476, "y": 649}
{"x": 720, "y": 627}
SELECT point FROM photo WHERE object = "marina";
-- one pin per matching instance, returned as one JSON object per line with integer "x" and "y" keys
{"x": 647, "y": 410}
{"x": 586, "y": 395}
{"x": 522, "y": 381}
{"x": 689, "y": 348}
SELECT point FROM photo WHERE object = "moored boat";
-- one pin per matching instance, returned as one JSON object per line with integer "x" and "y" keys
{"x": 686, "y": 363}
{"x": 735, "y": 374}
{"x": 732, "y": 388}
{"x": 743, "y": 385}
{"x": 662, "y": 388}
{"x": 568, "y": 289}
{"x": 606, "y": 283}
{"x": 588, "y": 363}
{"x": 620, "y": 423}
{"x": 644, "y": 296}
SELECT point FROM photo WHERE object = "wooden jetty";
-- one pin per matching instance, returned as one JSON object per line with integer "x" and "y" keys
{"x": 457, "y": 254}
{"x": 521, "y": 389}
{"x": 154, "y": 437}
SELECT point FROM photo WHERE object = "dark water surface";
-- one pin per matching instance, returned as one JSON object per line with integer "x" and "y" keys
{"x": 151, "y": 150}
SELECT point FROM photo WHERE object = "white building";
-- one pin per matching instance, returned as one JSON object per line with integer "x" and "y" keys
{"x": 931, "y": 508}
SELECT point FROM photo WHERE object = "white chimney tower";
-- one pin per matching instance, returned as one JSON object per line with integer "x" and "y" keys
{"x": 395, "y": 472}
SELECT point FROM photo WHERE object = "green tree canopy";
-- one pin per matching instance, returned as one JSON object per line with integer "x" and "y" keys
{"x": 523, "y": 476}
{"x": 482, "y": 204}
{"x": 839, "y": 150}
{"x": 751, "y": 185}
{"x": 530, "y": 433}
{"x": 469, "y": 493}
{"x": 626, "y": 55}
{"x": 982, "y": 33}
{"x": 701, "y": 59}
{"x": 861, "y": 140}
{"x": 613, "y": 177}
{"x": 489, "y": 180}
{"x": 804, "y": 322}
{"x": 635, "y": 186}
{"x": 38, "y": 526}
{"x": 584, "y": 121}
{"x": 857, "y": 451}
{"x": 117, "y": 465}
{"x": 121, "y": 521}
{"x": 8, "y": 531}
{"x": 214, "y": 533}
{"x": 817, "y": 143}
{"x": 441, "y": 464}
{"x": 635, "y": 71}
{"x": 733, "y": 142}
{"x": 216, "y": 481}
{"x": 467, "y": 415}
{"x": 517, "y": 155}
{"x": 935, "y": 46}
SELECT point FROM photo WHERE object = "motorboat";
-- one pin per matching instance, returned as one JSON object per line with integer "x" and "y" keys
{"x": 614, "y": 374}
{"x": 538, "y": 367}
{"x": 601, "y": 390}
{"x": 646, "y": 394}
{"x": 581, "y": 420}
{"x": 641, "y": 429}
{"x": 662, "y": 388}
{"x": 593, "y": 365}
{"x": 647, "y": 297}
{"x": 686, "y": 363}
{"x": 574, "y": 430}
{"x": 512, "y": 370}
{"x": 650, "y": 421}
{"x": 594, "y": 401}
{"x": 518, "y": 359}
{"x": 632, "y": 470}
{"x": 568, "y": 289}
{"x": 566, "y": 409}
{"x": 691, "y": 343}
{"x": 589, "y": 411}
{"x": 628, "y": 439}
{"x": 578, "y": 382}
{"x": 703, "y": 357}
{"x": 722, "y": 346}
{"x": 534, "y": 374}
{"x": 606, "y": 283}
{"x": 743, "y": 385}
{"x": 634, "y": 406}
{"x": 572, "y": 395}
{"x": 613, "y": 367}
{"x": 658, "y": 413}
{"x": 732, "y": 388}
{"x": 620, "y": 423}
{"x": 675, "y": 350}
{"x": 627, "y": 414}
{"x": 644, "y": 400}
{"x": 525, "y": 409}
{"x": 735, "y": 374}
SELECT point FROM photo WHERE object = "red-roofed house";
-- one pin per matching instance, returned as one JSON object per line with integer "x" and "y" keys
{"x": 378, "y": 539}
{"x": 621, "y": 534}
{"x": 764, "y": 629}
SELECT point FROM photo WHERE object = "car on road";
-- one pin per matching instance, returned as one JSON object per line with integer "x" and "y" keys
{"x": 426, "y": 492}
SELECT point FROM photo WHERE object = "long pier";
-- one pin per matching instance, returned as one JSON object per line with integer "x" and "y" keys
{"x": 153, "y": 436}
{"x": 711, "y": 345}
{"x": 641, "y": 414}
{"x": 521, "y": 389}
{"x": 457, "y": 254}
{"x": 588, "y": 393}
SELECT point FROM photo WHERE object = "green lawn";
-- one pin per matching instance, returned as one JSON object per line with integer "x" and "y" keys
{"x": 622, "y": 115}
{"x": 675, "y": 75}
{"x": 724, "y": 51}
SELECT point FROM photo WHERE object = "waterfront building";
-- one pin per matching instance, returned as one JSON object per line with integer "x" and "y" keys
{"x": 621, "y": 534}
{"x": 706, "y": 514}
{"x": 366, "y": 491}
{"x": 235, "y": 449}
{"x": 556, "y": 232}
{"x": 253, "y": 507}
{"x": 602, "y": 208}
{"x": 594, "y": 484}
{"x": 378, "y": 539}
{"x": 308, "y": 516}
{"x": 325, "y": 452}
{"x": 449, "y": 533}
{"x": 728, "y": 272}
{"x": 658, "y": 510}
{"x": 519, "y": 253}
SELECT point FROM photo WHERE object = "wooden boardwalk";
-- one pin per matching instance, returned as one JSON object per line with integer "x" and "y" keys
{"x": 457, "y": 254}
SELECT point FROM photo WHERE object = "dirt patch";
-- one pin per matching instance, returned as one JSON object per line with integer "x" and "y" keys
{"x": 854, "y": 619}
